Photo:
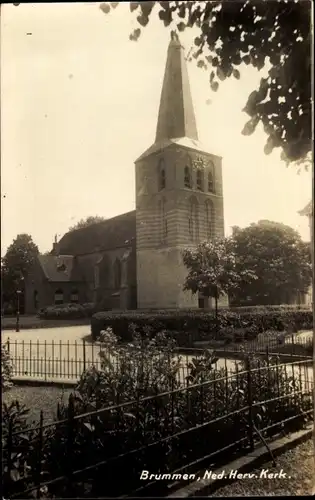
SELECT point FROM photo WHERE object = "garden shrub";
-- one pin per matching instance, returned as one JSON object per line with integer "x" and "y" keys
{"x": 200, "y": 325}
{"x": 6, "y": 368}
{"x": 67, "y": 311}
{"x": 143, "y": 369}
{"x": 284, "y": 307}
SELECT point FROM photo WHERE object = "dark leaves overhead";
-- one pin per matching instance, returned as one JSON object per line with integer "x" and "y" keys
{"x": 254, "y": 33}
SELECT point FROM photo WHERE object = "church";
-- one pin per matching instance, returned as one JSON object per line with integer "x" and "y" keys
{"x": 134, "y": 260}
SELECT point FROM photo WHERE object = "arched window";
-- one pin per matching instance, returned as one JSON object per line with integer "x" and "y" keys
{"x": 96, "y": 276}
{"x": 209, "y": 219}
{"x": 193, "y": 220}
{"x": 211, "y": 188}
{"x": 58, "y": 296}
{"x": 74, "y": 296}
{"x": 200, "y": 180}
{"x": 163, "y": 220}
{"x": 35, "y": 299}
{"x": 187, "y": 177}
{"x": 117, "y": 273}
{"x": 162, "y": 175}
{"x": 124, "y": 267}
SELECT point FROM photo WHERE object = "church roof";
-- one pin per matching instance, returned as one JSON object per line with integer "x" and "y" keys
{"x": 181, "y": 141}
{"x": 59, "y": 268}
{"x": 112, "y": 233}
{"x": 176, "y": 114}
{"x": 176, "y": 120}
{"x": 308, "y": 210}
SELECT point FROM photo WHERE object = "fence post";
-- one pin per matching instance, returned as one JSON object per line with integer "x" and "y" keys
{"x": 53, "y": 358}
{"x": 267, "y": 355}
{"x": 293, "y": 344}
{"x": 45, "y": 358}
{"x": 39, "y": 457}
{"x": 8, "y": 483}
{"x": 84, "y": 356}
{"x": 70, "y": 442}
{"x": 250, "y": 404}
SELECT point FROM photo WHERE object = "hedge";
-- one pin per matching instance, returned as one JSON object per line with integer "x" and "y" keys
{"x": 190, "y": 326}
{"x": 67, "y": 311}
{"x": 78, "y": 311}
{"x": 283, "y": 307}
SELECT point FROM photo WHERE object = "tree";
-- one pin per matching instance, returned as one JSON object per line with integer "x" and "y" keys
{"x": 278, "y": 257}
{"x": 16, "y": 264}
{"x": 254, "y": 33}
{"x": 88, "y": 221}
{"x": 213, "y": 270}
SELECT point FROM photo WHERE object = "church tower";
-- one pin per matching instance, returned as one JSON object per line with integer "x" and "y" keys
{"x": 179, "y": 198}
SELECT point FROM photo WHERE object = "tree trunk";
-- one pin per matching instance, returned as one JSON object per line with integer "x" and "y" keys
{"x": 311, "y": 221}
{"x": 216, "y": 309}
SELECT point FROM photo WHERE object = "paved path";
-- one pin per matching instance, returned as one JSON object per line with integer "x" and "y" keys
{"x": 63, "y": 333}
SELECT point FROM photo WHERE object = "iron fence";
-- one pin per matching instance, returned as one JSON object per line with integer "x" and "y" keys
{"x": 65, "y": 361}
{"x": 168, "y": 433}
{"x": 294, "y": 343}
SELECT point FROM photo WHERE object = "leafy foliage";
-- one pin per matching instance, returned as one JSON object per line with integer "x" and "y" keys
{"x": 278, "y": 257}
{"x": 126, "y": 417}
{"x": 233, "y": 34}
{"x": 67, "y": 311}
{"x": 6, "y": 368}
{"x": 88, "y": 221}
{"x": 187, "y": 327}
{"x": 213, "y": 269}
{"x": 17, "y": 262}
{"x": 141, "y": 367}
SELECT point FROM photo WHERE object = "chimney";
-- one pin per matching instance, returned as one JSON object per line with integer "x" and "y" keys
{"x": 55, "y": 246}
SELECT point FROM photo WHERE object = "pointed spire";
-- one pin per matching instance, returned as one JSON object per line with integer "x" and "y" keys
{"x": 176, "y": 114}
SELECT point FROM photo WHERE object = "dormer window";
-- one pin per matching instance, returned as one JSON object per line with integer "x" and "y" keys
{"x": 200, "y": 180}
{"x": 187, "y": 177}
{"x": 61, "y": 267}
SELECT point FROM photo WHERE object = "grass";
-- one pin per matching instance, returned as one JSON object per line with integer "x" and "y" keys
{"x": 37, "y": 398}
{"x": 298, "y": 463}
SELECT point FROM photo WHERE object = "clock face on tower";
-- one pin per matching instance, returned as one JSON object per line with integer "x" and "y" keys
{"x": 199, "y": 162}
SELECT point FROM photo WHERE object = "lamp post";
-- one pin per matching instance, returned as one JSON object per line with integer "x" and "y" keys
{"x": 17, "y": 329}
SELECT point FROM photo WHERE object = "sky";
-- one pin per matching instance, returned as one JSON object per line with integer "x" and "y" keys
{"x": 79, "y": 104}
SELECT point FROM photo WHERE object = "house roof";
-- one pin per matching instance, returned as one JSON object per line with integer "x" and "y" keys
{"x": 112, "y": 233}
{"x": 308, "y": 210}
{"x": 61, "y": 268}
